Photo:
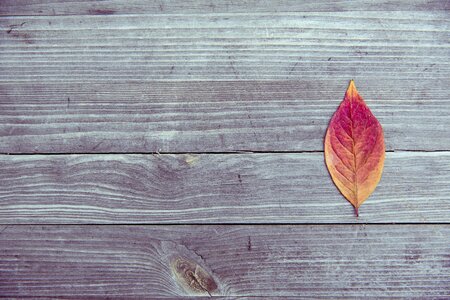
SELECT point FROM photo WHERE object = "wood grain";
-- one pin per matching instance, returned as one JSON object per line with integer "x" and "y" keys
{"x": 218, "y": 82}
{"x": 230, "y": 188}
{"x": 201, "y": 79}
{"x": 114, "y": 7}
{"x": 212, "y": 116}
{"x": 251, "y": 46}
{"x": 303, "y": 261}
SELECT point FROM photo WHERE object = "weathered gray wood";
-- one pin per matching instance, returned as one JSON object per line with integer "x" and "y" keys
{"x": 215, "y": 82}
{"x": 218, "y": 76}
{"x": 231, "y": 188}
{"x": 212, "y": 116}
{"x": 113, "y": 7}
{"x": 395, "y": 45}
{"x": 307, "y": 261}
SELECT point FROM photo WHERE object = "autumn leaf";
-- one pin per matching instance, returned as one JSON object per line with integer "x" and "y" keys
{"x": 354, "y": 148}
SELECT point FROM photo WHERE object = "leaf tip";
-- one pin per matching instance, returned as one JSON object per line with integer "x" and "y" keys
{"x": 352, "y": 93}
{"x": 351, "y": 88}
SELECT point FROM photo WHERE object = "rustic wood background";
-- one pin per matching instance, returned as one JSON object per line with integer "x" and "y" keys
{"x": 133, "y": 132}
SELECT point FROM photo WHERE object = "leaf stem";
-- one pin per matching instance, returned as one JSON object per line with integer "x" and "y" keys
{"x": 356, "y": 212}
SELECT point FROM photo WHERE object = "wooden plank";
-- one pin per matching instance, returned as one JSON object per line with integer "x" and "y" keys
{"x": 114, "y": 7}
{"x": 257, "y": 46}
{"x": 212, "y": 116}
{"x": 231, "y": 188}
{"x": 211, "y": 83}
{"x": 304, "y": 261}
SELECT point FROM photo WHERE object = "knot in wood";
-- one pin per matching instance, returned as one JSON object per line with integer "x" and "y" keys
{"x": 192, "y": 277}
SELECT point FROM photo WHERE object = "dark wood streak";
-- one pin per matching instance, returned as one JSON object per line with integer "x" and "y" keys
{"x": 101, "y": 12}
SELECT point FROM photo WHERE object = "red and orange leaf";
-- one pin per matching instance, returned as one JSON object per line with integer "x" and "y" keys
{"x": 354, "y": 148}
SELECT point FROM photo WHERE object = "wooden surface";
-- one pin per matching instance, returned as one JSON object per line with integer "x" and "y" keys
{"x": 114, "y": 7}
{"x": 122, "y": 121}
{"x": 213, "y": 116}
{"x": 214, "y": 188}
{"x": 216, "y": 82}
{"x": 307, "y": 261}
